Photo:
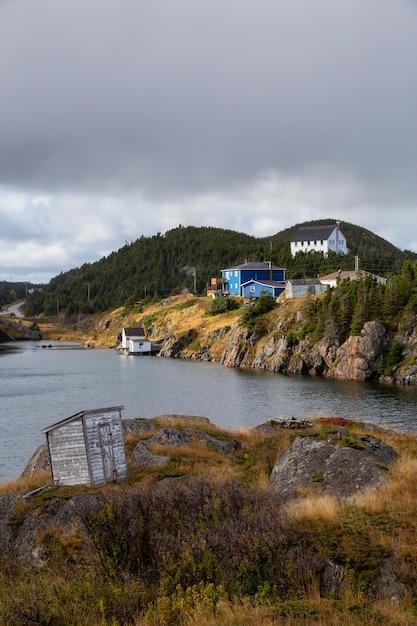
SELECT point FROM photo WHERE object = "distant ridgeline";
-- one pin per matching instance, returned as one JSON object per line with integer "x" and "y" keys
{"x": 186, "y": 258}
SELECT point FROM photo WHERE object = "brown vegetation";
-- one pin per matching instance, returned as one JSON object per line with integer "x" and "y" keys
{"x": 203, "y": 540}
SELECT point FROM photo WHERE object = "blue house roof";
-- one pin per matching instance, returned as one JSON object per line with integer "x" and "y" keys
{"x": 253, "y": 266}
{"x": 255, "y": 288}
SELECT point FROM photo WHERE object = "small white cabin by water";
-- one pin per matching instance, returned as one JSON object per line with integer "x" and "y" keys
{"x": 135, "y": 342}
{"x": 88, "y": 448}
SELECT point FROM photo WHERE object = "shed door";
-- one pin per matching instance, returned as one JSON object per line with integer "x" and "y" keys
{"x": 106, "y": 445}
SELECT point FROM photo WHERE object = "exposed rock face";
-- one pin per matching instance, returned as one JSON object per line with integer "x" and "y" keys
{"x": 16, "y": 330}
{"x": 357, "y": 358}
{"x": 171, "y": 347}
{"x": 19, "y": 532}
{"x": 236, "y": 353}
{"x": 324, "y": 467}
{"x": 273, "y": 356}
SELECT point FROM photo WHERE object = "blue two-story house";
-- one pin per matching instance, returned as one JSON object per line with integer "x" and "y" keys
{"x": 253, "y": 279}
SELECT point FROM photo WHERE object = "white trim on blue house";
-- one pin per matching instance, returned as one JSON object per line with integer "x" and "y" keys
{"x": 256, "y": 288}
{"x": 238, "y": 275}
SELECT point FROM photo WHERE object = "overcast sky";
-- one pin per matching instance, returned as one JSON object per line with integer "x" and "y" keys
{"x": 122, "y": 118}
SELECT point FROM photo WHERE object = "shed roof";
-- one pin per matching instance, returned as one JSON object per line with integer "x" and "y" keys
{"x": 304, "y": 281}
{"x": 136, "y": 331}
{"x": 81, "y": 414}
{"x": 312, "y": 233}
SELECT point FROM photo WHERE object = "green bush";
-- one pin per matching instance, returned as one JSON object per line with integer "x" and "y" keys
{"x": 292, "y": 339}
{"x": 391, "y": 358}
{"x": 223, "y": 305}
{"x": 263, "y": 305}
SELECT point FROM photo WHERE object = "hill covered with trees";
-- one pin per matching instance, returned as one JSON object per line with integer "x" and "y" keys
{"x": 10, "y": 292}
{"x": 187, "y": 257}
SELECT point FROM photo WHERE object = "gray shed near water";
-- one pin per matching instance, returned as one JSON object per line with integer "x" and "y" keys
{"x": 88, "y": 448}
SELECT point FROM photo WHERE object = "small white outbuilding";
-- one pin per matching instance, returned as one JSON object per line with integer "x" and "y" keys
{"x": 135, "y": 342}
{"x": 88, "y": 448}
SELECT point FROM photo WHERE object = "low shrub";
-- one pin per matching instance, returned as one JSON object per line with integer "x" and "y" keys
{"x": 223, "y": 305}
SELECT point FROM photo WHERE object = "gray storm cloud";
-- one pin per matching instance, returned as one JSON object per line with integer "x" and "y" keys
{"x": 182, "y": 95}
{"x": 131, "y": 117}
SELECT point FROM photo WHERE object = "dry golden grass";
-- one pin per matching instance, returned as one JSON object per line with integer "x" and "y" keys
{"x": 182, "y": 422}
{"x": 399, "y": 494}
{"x": 311, "y": 611}
{"x": 197, "y": 459}
{"x": 19, "y": 485}
{"x": 319, "y": 507}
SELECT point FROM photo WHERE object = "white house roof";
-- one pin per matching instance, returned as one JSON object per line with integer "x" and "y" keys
{"x": 312, "y": 233}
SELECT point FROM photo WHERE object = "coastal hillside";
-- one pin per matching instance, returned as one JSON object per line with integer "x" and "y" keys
{"x": 186, "y": 258}
{"x": 360, "y": 330}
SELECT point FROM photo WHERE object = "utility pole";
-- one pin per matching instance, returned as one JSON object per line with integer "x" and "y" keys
{"x": 356, "y": 264}
{"x": 195, "y": 281}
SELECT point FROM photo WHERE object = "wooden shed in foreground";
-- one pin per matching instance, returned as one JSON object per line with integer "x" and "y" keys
{"x": 88, "y": 448}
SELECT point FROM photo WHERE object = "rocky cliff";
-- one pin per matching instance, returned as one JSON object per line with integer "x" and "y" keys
{"x": 357, "y": 358}
{"x": 278, "y": 342}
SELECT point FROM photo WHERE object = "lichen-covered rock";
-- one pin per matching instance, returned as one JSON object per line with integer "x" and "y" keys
{"x": 170, "y": 437}
{"x": 138, "y": 426}
{"x": 327, "y": 467}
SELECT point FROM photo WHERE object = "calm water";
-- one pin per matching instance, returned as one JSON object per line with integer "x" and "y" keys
{"x": 39, "y": 387}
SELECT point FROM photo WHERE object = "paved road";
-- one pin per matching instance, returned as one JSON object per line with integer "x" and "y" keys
{"x": 14, "y": 308}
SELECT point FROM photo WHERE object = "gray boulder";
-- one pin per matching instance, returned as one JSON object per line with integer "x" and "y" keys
{"x": 138, "y": 426}
{"x": 38, "y": 462}
{"x": 143, "y": 457}
{"x": 325, "y": 467}
{"x": 175, "y": 438}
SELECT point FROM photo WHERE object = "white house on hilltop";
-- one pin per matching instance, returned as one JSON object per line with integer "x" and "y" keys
{"x": 319, "y": 239}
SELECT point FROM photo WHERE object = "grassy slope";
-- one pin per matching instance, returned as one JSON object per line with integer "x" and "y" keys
{"x": 81, "y": 586}
{"x": 356, "y": 536}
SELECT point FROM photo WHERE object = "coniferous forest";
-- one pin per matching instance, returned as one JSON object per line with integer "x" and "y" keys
{"x": 187, "y": 257}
